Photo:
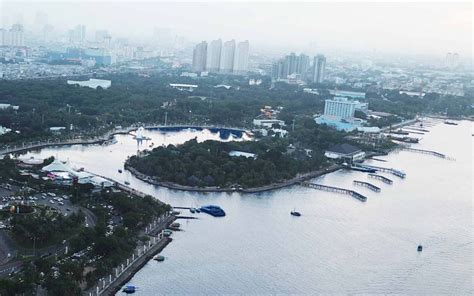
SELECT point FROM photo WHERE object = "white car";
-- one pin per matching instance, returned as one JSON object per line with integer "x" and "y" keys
{"x": 51, "y": 201}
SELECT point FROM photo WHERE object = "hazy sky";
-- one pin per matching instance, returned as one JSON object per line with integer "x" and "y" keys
{"x": 423, "y": 27}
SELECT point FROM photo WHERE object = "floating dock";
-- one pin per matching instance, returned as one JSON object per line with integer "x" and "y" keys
{"x": 367, "y": 185}
{"x": 335, "y": 189}
{"x": 381, "y": 178}
{"x": 392, "y": 171}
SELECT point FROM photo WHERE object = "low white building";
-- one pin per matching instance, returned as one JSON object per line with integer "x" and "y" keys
{"x": 180, "y": 86}
{"x": 268, "y": 123}
{"x": 92, "y": 83}
{"x": 7, "y": 106}
{"x": 235, "y": 153}
{"x": 345, "y": 152}
{"x": 4, "y": 130}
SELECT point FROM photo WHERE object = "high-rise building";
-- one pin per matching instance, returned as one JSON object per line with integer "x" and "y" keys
{"x": 214, "y": 56}
{"x": 292, "y": 65}
{"x": 302, "y": 66}
{"x": 241, "y": 58}
{"x": 199, "y": 57}
{"x": 78, "y": 34}
{"x": 227, "y": 57}
{"x": 12, "y": 37}
{"x": 319, "y": 65}
{"x": 340, "y": 107}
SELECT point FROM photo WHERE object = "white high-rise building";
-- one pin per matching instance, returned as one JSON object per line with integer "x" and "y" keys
{"x": 199, "y": 57}
{"x": 12, "y": 37}
{"x": 319, "y": 65}
{"x": 241, "y": 58}
{"x": 340, "y": 107}
{"x": 227, "y": 57}
{"x": 214, "y": 56}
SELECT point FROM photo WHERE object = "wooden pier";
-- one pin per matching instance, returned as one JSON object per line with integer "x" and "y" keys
{"x": 335, "y": 189}
{"x": 392, "y": 171}
{"x": 429, "y": 152}
{"x": 367, "y": 185}
{"x": 381, "y": 178}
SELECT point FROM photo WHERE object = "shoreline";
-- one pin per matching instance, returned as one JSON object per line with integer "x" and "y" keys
{"x": 294, "y": 181}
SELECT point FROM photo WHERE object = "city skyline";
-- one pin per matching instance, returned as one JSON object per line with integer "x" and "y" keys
{"x": 427, "y": 28}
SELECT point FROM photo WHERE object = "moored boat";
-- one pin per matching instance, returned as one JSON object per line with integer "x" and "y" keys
{"x": 129, "y": 289}
{"x": 212, "y": 210}
{"x": 159, "y": 258}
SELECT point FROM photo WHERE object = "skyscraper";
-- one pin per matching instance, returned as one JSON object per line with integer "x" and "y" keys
{"x": 319, "y": 65}
{"x": 17, "y": 35}
{"x": 241, "y": 58}
{"x": 227, "y": 57}
{"x": 291, "y": 65}
{"x": 199, "y": 57}
{"x": 214, "y": 56}
{"x": 78, "y": 34}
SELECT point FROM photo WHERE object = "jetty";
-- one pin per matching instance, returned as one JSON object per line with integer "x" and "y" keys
{"x": 367, "y": 185}
{"x": 429, "y": 152}
{"x": 381, "y": 178}
{"x": 392, "y": 171}
{"x": 416, "y": 129}
{"x": 334, "y": 189}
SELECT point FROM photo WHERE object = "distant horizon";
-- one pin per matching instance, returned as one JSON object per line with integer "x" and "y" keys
{"x": 415, "y": 29}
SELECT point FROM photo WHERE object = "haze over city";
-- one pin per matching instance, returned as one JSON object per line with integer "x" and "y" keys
{"x": 405, "y": 28}
{"x": 236, "y": 148}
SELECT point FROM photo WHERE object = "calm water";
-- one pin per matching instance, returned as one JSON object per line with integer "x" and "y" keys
{"x": 338, "y": 246}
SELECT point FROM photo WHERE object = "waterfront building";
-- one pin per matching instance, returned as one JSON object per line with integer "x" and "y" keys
{"x": 268, "y": 123}
{"x": 214, "y": 56}
{"x": 241, "y": 58}
{"x": 199, "y": 57}
{"x": 227, "y": 57}
{"x": 345, "y": 152}
{"x": 339, "y": 114}
{"x": 340, "y": 107}
{"x": 319, "y": 65}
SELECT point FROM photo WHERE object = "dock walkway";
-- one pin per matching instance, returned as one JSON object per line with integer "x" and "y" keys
{"x": 335, "y": 189}
{"x": 367, "y": 185}
{"x": 381, "y": 178}
{"x": 423, "y": 151}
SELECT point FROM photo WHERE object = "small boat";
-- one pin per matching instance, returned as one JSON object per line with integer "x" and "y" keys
{"x": 420, "y": 248}
{"x": 197, "y": 210}
{"x": 127, "y": 183}
{"x": 167, "y": 232}
{"x": 120, "y": 171}
{"x": 129, "y": 289}
{"x": 295, "y": 213}
{"x": 159, "y": 258}
{"x": 192, "y": 210}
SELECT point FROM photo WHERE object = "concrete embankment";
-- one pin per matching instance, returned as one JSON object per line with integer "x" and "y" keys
{"x": 269, "y": 187}
{"x": 125, "y": 277}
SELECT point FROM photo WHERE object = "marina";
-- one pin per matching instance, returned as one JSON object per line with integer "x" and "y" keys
{"x": 255, "y": 223}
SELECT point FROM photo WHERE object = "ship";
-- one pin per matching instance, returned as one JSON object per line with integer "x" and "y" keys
{"x": 215, "y": 211}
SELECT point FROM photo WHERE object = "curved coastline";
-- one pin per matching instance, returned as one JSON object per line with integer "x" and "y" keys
{"x": 286, "y": 183}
